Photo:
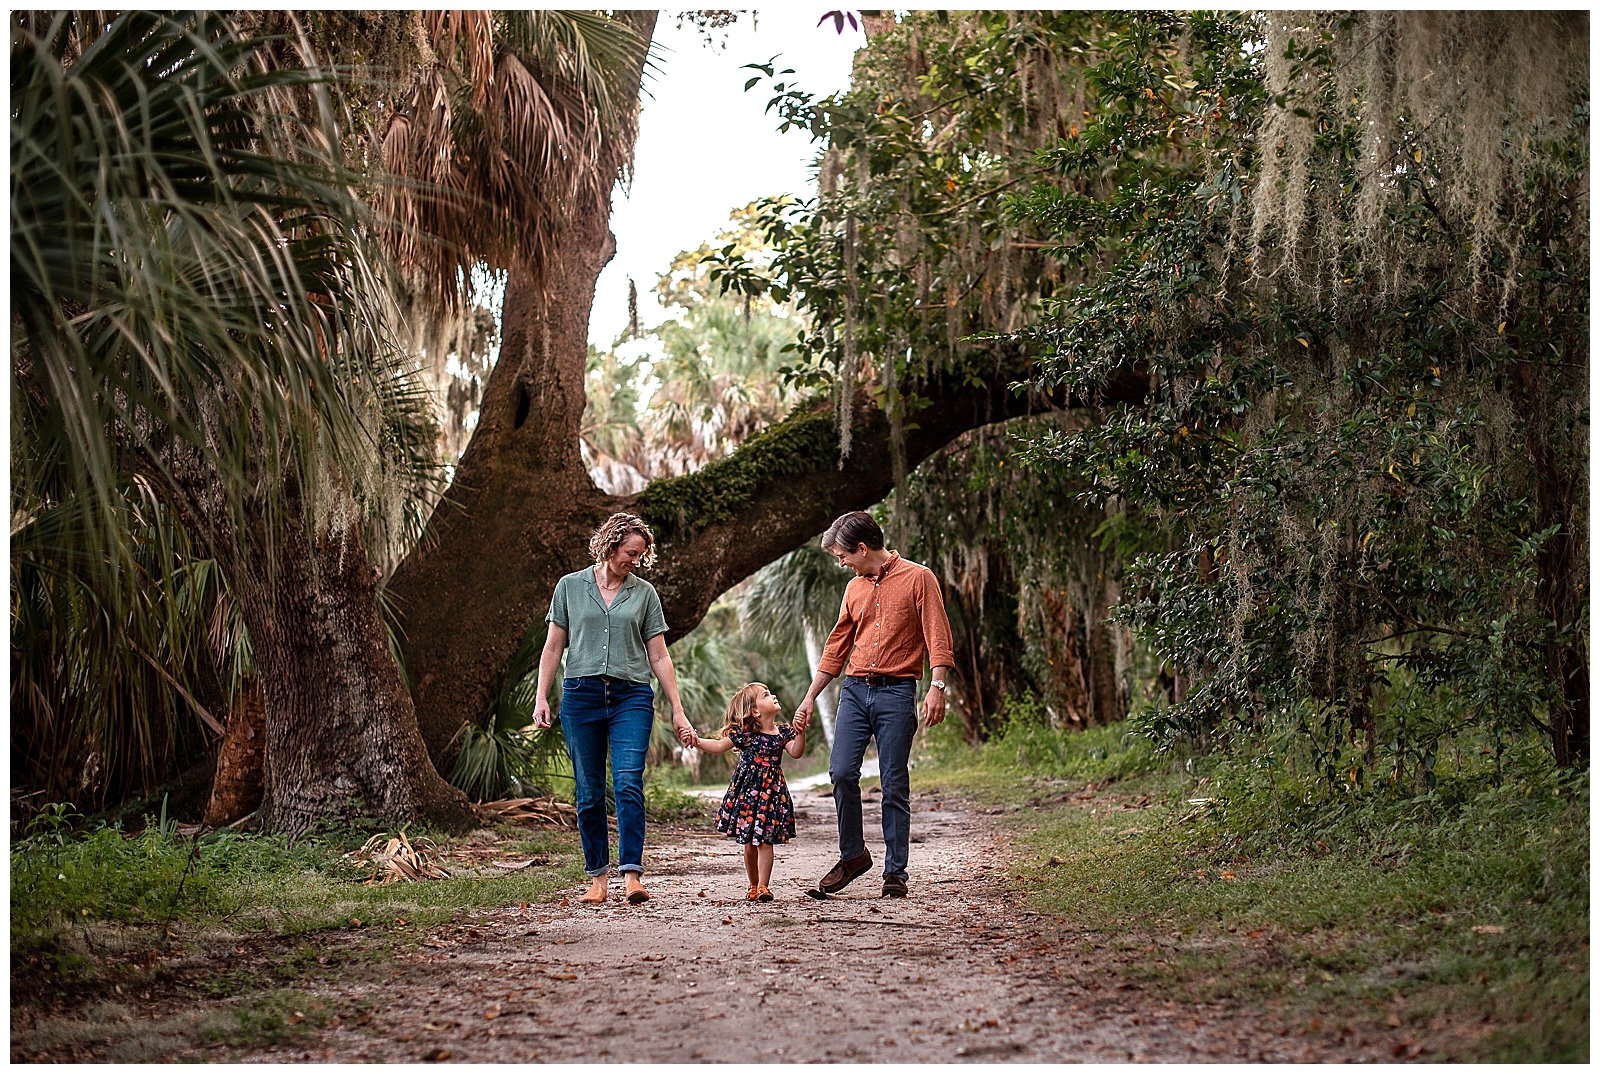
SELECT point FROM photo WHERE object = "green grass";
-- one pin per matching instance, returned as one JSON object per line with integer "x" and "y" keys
{"x": 1457, "y": 917}
{"x": 77, "y": 900}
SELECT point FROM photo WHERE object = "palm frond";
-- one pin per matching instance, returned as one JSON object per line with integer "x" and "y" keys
{"x": 512, "y": 125}
{"x": 197, "y": 297}
{"x": 804, "y": 587}
{"x": 202, "y": 327}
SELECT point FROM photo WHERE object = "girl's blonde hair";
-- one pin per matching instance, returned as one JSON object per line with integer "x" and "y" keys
{"x": 741, "y": 714}
{"x": 618, "y": 528}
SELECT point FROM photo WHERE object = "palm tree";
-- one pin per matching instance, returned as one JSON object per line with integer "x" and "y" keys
{"x": 204, "y": 326}
{"x": 798, "y": 594}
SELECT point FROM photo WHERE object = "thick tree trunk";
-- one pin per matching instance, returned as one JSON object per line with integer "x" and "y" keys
{"x": 236, "y": 789}
{"x": 522, "y": 506}
{"x": 341, "y": 734}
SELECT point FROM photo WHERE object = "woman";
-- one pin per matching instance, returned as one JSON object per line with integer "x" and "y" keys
{"x": 617, "y": 633}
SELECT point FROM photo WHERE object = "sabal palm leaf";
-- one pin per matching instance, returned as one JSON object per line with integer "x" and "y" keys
{"x": 200, "y": 325}
{"x": 513, "y": 123}
{"x": 112, "y": 693}
{"x": 192, "y": 277}
{"x": 802, "y": 588}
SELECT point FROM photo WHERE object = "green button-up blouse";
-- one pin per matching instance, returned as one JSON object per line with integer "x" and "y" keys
{"x": 607, "y": 641}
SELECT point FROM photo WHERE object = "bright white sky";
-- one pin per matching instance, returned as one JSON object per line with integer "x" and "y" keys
{"x": 705, "y": 148}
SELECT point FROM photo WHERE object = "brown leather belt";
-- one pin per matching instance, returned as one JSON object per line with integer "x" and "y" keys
{"x": 882, "y": 680}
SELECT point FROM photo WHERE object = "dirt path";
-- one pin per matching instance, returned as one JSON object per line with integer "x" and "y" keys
{"x": 955, "y": 972}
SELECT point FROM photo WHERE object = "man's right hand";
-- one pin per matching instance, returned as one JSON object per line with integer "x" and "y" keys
{"x": 803, "y": 710}
{"x": 541, "y": 714}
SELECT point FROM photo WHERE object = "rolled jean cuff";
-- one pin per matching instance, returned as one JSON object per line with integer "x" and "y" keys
{"x": 631, "y": 869}
{"x": 604, "y": 870}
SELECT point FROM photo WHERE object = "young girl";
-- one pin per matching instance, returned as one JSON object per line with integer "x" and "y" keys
{"x": 757, "y": 810}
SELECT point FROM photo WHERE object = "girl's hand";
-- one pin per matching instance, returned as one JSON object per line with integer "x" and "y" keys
{"x": 687, "y": 736}
{"x": 692, "y": 740}
{"x": 801, "y": 721}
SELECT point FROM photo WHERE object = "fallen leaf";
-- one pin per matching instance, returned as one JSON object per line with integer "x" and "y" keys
{"x": 296, "y": 1018}
{"x": 1228, "y": 876}
{"x": 1491, "y": 929}
{"x": 492, "y": 1013}
{"x": 562, "y": 976}
{"x": 438, "y": 1055}
{"x": 727, "y": 921}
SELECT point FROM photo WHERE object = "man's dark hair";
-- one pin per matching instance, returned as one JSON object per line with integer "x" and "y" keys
{"x": 849, "y": 530}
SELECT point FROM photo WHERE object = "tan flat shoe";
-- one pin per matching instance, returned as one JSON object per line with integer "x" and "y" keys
{"x": 638, "y": 895}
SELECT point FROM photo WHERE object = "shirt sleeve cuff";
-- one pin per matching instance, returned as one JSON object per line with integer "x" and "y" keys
{"x": 830, "y": 667}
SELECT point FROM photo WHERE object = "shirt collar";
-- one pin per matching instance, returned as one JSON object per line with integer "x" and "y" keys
{"x": 888, "y": 565}
{"x": 594, "y": 587}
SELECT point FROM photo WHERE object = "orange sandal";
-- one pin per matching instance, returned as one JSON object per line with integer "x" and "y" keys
{"x": 754, "y": 893}
{"x": 762, "y": 894}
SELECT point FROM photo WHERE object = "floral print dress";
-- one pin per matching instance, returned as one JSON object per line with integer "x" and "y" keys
{"x": 757, "y": 807}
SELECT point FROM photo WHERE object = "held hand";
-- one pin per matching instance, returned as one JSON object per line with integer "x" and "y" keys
{"x": 802, "y": 720}
{"x": 933, "y": 708}
{"x": 541, "y": 714}
{"x": 802, "y": 711}
{"x": 687, "y": 736}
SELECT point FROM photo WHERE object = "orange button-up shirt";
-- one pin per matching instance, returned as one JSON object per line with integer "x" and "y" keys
{"x": 888, "y": 623}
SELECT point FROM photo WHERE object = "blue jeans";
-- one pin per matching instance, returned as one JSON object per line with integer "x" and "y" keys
{"x": 889, "y": 714}
{"x": 598, "y": 713}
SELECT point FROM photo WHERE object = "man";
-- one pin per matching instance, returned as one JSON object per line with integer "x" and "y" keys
{"x": 891, "y": 618}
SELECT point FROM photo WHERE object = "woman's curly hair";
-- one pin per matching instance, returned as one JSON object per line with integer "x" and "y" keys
{"x": 618, "y": 528}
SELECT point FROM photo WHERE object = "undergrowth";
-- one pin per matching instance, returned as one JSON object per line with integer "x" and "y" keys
{"x": 1444, "y": 917}
{"x": 78, "y": 897}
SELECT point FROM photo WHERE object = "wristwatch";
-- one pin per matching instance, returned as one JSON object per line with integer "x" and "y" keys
{"x": 936, "y": 684}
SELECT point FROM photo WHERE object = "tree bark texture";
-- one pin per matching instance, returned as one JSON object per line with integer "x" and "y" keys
{"x": 341, "y": 735}
{"x": 1105, "y": 654}
{"x": 236, "y": 788}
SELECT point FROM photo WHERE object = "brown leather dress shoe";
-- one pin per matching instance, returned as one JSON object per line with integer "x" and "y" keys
{"x": 841, "y": 874}
{"x": 894, "y": 887}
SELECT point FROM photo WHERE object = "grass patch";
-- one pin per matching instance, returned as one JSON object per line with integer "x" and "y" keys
{"x": 1453, "y": 919}
{"x": 99, "y": 908}
{"x": 272, "y": 1017}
